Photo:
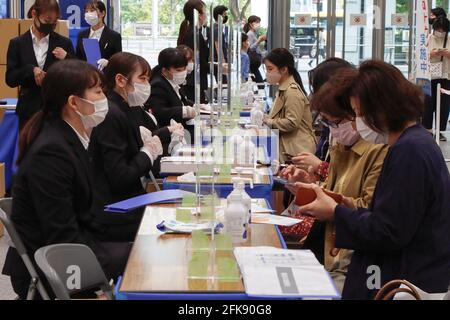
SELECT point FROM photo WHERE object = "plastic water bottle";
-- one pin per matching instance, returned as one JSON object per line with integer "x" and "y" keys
{"x": 235, "y": 218}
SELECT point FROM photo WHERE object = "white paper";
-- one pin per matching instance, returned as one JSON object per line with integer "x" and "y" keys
{"x": 256, "y": 208}
{"x": 264, "y": 218}
{"x": 286, "y": 273}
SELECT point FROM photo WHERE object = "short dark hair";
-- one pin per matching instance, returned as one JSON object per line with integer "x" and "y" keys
{"x": 439, "y": 12}
{"x": 441, "y": 23}
{"x": 126, "y": 64}
{"x": 219, "y": 11}
{"x": 42, "y": 6}
{"x": 170, "y": 58}
{"x": 333, "y": 96}
{"x": 324, "y": 71}
{"x": 388, "y": 101}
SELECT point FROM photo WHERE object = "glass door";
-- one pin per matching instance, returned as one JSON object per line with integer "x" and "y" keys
{"x": 354, "y": 31}
{"x": 308, "y": 34}
{"x": 397, "y": 34}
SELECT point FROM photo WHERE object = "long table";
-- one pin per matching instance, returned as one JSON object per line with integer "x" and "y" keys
{"x": 158, "y": 264}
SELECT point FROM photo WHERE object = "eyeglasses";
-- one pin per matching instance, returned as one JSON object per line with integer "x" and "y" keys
{"x": 330, "y": 124}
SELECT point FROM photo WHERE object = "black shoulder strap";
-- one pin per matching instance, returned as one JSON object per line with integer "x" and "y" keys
{"x": 445, "y": 45}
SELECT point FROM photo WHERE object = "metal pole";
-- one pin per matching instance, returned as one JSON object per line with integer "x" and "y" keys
{"x": 344, "y": 29}
{"x": 211, "y": 59}
{"x": 438, "y": 113}
{"x": 219, "y": 62}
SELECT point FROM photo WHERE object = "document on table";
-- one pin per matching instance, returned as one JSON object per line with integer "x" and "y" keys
{"x": 286, "y": 273}
{"x": 264, "y": 218}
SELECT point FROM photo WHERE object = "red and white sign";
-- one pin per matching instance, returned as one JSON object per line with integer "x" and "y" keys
{"x": 302, "y": 19}
{"x": 399, "y": 20}
{"x": 358, "y": 20}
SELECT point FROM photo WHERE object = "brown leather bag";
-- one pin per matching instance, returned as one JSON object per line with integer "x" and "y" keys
{"x": 384, "y": 294}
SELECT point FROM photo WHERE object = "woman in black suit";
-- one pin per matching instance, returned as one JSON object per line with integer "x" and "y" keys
{"x": 31, "y": 55}
{"x": 126, "y": 146}
{"x": 53, "y": 192}
{"x": 110, "y": 41}
{"x": 186, "y": 37}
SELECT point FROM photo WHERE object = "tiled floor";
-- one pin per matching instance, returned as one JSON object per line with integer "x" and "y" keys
{"x": 6, "y": 292}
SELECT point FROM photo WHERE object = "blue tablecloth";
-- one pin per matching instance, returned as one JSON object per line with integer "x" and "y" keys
{"x": 9, "y": 144}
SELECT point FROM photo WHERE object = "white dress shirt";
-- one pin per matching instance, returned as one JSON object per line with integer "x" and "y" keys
{"x": 96, "y": 34}
{"x": 84, "y": 140}
{"x": 40, "y": 48}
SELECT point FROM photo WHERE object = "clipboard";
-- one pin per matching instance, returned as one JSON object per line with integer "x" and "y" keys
{"x": 92, "y": 51}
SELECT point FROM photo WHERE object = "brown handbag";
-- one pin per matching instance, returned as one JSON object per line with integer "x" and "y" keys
{"x": 384, "y": 294}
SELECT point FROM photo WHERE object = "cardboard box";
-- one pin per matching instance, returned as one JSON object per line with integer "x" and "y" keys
{"x": 62, "y": 27}
{"x": 5, "y": 91}
{"x": 9, "y": 29}
{"x": 2, "y": 189}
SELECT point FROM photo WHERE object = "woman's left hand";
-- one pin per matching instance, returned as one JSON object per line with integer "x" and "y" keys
{"x": 322, "y": 208}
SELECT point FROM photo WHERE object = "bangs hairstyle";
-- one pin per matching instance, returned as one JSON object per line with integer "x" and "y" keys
{"x": 126, "y": 64}
{"x": 333, "y": 98}
{"x": 44, "y": 6}
{"x": 95, "y": 5}
{"x": 170, "y": 58}
{"x": 64, "y": 79}
{"x": 388, "y": 101}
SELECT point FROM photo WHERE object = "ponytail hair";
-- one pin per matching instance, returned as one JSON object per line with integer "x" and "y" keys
{"x": 64, "y": 79}
{"x": 282, "y": 58}
{"x": 188, "y": 21}
{"x": 251, "y": 19}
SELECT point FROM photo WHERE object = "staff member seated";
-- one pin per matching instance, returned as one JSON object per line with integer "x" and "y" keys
{"x": 124, "y": 149}
{"x": 110, "y": 41}
{"x": 53, "y": 191}
{"x": 166, "y": 102}
{"x": 31, "y": 55}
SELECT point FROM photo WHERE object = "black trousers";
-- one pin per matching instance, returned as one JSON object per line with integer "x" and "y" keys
{"x": 430, "y": 105}
{"x": 257, "y": 75}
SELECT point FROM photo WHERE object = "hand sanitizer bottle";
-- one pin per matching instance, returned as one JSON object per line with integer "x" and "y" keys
{"x": 235, "y": 218}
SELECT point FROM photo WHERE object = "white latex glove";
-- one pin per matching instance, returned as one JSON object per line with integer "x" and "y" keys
{"x": 146, "y": 134}
{"x": 152, "y": 144}
{"x": 205, "y": 107}
{"x": 178, "y": 139}
{"x": 189, "y": 112}
{"x": 102, "y": 63}
{"x": 175, "y": 126}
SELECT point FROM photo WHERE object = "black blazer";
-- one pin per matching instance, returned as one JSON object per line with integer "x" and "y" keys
{"x": 52, "y": 196}
{"x": 164, "y": 101}
{"x": 21, "y": 61}
{"x": 110, "y": 43}
{"x": 204, "y": 67}
{"x": 117, "y": 160}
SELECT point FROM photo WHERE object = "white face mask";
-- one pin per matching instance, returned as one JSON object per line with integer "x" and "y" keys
{"x": 179, "y": 77}
{"x": 273, "y": 77}
{"x": 368, "y": 134}
{"x": 190, "y": 67}
{"x": 140, "y": 95}
{"x": 91, "y": 18}
{"x": 439, "y": 34}
{"x": 100, "y": 110}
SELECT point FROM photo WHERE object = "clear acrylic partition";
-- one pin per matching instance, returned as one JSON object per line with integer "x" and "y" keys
{"x": 224, "y": 145}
